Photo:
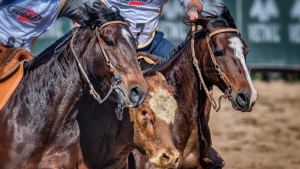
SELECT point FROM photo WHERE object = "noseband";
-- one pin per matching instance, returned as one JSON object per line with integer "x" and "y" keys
{"x": 221, "y": 74}
{"x": 108, "y": 63}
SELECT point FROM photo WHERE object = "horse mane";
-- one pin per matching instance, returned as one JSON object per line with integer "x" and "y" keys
{"x": 207, "y": 22}
{"x": 175, "y": 52}
{"x": 98, "y": 15}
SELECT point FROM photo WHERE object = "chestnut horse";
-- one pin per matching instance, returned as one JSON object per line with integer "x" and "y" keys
{"x": 230, "y": 52}
{"x": 38, "y": 127}
{"x": 106, "y": 142}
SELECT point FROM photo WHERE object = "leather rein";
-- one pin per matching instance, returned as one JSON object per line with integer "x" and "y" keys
{"x": 112, "y": 69}
{"x": 221, "y": 74}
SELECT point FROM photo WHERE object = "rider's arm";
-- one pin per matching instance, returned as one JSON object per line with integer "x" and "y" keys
{"x": 74, "y": 10}
{"x": 190, "y": 5}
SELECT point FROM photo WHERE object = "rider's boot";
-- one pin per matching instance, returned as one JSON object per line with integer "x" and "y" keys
{"x": 213, "y": 160}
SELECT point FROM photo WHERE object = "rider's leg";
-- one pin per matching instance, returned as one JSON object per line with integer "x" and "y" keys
{"x": 159, "y": 46}
{"x": 212, "y": 155}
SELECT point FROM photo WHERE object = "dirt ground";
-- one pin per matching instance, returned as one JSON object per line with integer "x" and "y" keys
{"x": 266, "y": 138}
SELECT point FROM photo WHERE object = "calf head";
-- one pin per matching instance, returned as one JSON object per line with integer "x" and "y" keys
{"x": 153, "y": 123}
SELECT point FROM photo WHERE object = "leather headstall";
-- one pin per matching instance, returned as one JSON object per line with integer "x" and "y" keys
{"x": 221, "y": 74}
{"x": 108, "y": 62}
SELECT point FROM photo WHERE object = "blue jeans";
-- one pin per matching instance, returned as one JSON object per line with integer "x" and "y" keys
{"x": 159, "y": 46}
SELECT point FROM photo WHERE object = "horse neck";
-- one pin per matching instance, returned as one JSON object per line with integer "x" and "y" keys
{"x": 181, "y": 74}
{"x": 101, "y": 130}
{"x": 53, "y": 85}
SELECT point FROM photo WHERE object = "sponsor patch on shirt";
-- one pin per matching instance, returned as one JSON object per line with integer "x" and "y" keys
{"x": 23, "y": 13}
{"x": 136, "y": 2}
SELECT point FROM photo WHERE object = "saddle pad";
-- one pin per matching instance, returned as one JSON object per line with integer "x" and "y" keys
{"x": 8, "y": 86}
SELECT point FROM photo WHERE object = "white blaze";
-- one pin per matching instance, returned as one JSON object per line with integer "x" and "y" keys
{"x": 163, "y": 105}
{"x": 127, "y": 36}
{"x": 237, "y": 45}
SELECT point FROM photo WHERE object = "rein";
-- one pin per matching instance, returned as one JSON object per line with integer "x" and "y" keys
{"x": 108, "y": 63}
{"x": 221, "y": 74}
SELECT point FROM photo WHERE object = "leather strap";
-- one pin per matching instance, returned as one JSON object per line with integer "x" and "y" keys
{"x": 112, "y": 22}
{"x": 148, "y": 60}
{"x": 224, "y": 31}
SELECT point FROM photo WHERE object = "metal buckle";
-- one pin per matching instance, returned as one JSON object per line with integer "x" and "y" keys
{"x": 119, "y": 110}
{"x": 217, "y": 66}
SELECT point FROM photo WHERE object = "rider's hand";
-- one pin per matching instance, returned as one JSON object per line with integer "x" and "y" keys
{"x": 193, "y": 15}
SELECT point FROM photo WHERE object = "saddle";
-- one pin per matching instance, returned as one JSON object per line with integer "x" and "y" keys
{"x": 11, "y": 70}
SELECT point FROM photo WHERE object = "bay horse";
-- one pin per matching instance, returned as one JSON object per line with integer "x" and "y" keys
{"x": 38, "y": 127}
{"x": 106, "y": 142}
{"x": 229, "y": 51}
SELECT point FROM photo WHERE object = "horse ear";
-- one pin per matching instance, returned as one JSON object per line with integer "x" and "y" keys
{"x": 227, "y": 16}
{"x": 90, "y": 9}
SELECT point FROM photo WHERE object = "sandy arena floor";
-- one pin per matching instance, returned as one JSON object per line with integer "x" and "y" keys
{"x": 266, "y": 138}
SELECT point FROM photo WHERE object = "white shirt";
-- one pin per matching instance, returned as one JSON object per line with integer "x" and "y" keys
{"x": 143, "y": 16}
{"x": 24, "y": 20}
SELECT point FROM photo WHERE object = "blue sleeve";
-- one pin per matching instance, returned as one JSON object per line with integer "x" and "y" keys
{"x": 5, "y": 2}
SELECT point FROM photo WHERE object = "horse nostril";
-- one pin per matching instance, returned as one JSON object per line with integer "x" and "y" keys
{"x": 135, "y": 94}
{"x": 166, "y": 157}
{"x": 242, "y": 100}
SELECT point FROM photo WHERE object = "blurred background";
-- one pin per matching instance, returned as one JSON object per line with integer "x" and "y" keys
{"x": 269, "y": 136}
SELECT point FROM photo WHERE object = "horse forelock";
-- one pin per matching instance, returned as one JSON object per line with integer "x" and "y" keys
{"x": 100, "y": 15}
{"x": 221, "y": 17}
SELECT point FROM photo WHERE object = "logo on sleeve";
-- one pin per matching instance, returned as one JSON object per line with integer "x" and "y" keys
{"x": 23, "y": 13}
{"x": 136, "y": 2}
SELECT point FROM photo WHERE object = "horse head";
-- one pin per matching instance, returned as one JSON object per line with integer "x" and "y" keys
{"x": 229, "y": 51}
{"x": 153, "y": 123}
{"x": 112, "y": 56}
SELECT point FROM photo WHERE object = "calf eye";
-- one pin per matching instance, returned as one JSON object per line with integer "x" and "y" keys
{"x": 144, "y": 113}
{"x": 110, "y": 43}
{"x": 219, "y": 53}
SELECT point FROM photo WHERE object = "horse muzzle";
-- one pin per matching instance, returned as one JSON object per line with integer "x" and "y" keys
{"x": 242, "y": 101}
{"x": 134, "y": 98}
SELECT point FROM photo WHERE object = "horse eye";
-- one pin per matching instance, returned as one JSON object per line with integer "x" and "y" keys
{"x": 110, "y": 43}
{"x": 144, "y": 113}
{"x": 219, "y": 53}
